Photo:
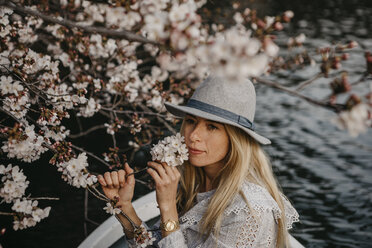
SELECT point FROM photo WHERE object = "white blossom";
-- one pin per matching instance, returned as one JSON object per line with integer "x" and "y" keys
{"x": 14, "y": 183}
{"x": 28, "y": 149}
{"x": 57, "y": 136}
{"x": 8, "y": 86}
{"x": 111, "y": 210}
{"x": 90, "y": 109}
{"x": 75, "y": 173}
{"x": 18, "y": 106}
{"x": 289, "y": 14}
{"x": 355, "y": 121}
{"x": 300, "y": 38}
{"x": 31, "y": 213}
{"x": 171, "y": 150}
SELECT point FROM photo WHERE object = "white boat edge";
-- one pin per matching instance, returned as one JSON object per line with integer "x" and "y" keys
{"x": 111, "y": 231}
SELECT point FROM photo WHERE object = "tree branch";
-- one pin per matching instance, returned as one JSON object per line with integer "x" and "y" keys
{"x": 123, "y": 34}
{"x": 308, "y": 82}
{"x": 43, "y": 198}
{"x": 74, "y": 136}
{"x": 336, "y": 107}
{"x": 3, "y": 213}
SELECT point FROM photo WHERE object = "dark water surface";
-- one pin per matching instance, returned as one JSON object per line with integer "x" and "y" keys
{"x": 326, "y": 173}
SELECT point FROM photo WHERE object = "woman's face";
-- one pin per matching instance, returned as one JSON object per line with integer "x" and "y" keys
{"x": 207, "y": 141}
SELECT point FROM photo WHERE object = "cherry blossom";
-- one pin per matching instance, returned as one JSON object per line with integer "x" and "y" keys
{"x": 110, "y": 209}
{"x": 170, "y": 150}
{"x": 13, "y": 183}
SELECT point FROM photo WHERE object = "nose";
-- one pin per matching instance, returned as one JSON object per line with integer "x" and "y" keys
{"x": 195, "y": 134}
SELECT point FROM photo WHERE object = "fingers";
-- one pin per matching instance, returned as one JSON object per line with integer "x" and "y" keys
{"x": 115, "y": 179}
{"x": 121, "y": 177}
{"x": 102, "y": 181}
{"x": 130, "y": 179}
{"x": 159, "y": 169}
{"x": 107, "y": 177}
{"x": 168, "y": 170}
{"x": 128, "y": 170}
{"x": 110, "y": 179}
{"x": 163, "y": 174}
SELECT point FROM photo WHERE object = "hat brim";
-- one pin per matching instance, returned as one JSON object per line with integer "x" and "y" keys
{"x": 180, "y": 111}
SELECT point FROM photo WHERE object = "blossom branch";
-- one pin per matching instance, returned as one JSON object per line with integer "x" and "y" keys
{"x": 74, "y": 136}
{"x": 133, "y": 112}
{"x": 11, "y": 115}
{"x": 272, "y": 84}
{"x": 43, "y": 198}
{"x": 91, "y": 154}
{"x": 308, "y": 82}
{"x": 123, "y": 34}
{"x": 4, "y": 213}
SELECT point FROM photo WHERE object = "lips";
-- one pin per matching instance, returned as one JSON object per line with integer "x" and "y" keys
{"x": 195, "y": 151}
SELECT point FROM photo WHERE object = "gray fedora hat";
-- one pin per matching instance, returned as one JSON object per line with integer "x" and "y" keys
{"x": 216, "y": 99}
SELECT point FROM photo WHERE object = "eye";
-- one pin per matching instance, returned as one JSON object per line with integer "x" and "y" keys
{"x": 212, "y": 127}
{"x": 190, "y": 121}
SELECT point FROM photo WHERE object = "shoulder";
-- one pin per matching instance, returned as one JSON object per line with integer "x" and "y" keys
{"x": 255, "y": 198}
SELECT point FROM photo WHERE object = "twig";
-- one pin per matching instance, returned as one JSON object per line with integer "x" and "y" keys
{"x": 43, "y": 198}
{"x": 97, "y": 194}
{"x": 13, "y": 116}
{"x": 91, "y": 154}
{"x": 91, "y": 221}
{"x": 363, "y": 78}
{"x": 132, "y": 112}
{"x": 123, "y": 34}
{"x": 142, "y": 182}
{"x": 136, "y": 172}
{"x": 308, "y": 82}
{"x": 159, "y": 119}
{"x": 3, "y": 213}
{"x": 74, "y": 136}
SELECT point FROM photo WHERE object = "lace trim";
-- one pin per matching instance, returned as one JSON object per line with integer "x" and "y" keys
{"x": 260, "y": 200}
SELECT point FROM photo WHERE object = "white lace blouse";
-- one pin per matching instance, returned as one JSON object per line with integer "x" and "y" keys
{"x": 240, "y": 227}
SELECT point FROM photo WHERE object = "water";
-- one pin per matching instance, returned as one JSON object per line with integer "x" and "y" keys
{"x": 325, "y": 173}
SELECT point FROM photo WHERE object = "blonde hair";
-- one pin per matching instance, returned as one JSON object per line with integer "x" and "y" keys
{"x": 245, "y": 160}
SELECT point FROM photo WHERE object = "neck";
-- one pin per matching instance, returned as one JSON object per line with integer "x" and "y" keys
{"x": 210, "y": 175}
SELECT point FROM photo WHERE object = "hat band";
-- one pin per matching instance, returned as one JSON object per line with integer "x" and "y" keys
{"x": 241, "y": 120}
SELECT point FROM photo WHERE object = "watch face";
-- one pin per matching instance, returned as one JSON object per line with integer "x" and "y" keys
{"x": 170, "y": 226}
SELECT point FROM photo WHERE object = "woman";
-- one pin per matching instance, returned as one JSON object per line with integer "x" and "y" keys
{"x": 225, "y": 195}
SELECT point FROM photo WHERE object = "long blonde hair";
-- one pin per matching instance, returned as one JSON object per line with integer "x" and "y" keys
{"x": 245, "y": 160}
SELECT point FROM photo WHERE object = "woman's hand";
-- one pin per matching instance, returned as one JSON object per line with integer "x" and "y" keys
{"x": 115, "y": 185}
{"x": 166, "y": 182}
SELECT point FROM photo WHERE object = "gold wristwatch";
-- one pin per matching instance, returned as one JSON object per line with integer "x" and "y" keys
{"x": 170, "y": 225}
